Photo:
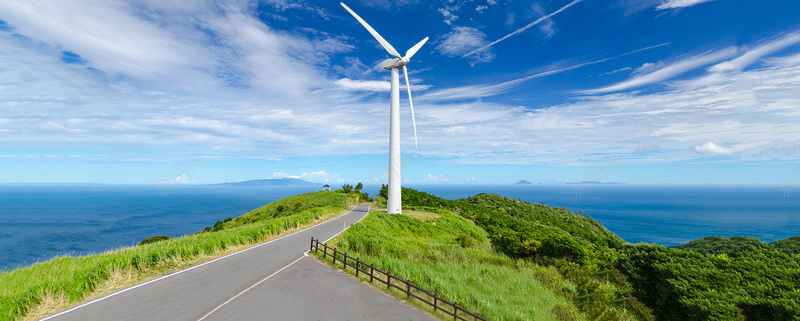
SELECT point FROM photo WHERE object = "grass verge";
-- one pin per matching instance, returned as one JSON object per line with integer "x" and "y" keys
{"x": 450, "y": 256}
{"x": 41, "y": 289}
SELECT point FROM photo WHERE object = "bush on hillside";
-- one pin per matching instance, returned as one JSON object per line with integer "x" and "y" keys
{"x": 715, "y": 245}
{"x": 790, "y": 246}
{"x": 154, "y": 239}
{"x": 754, "y": 284}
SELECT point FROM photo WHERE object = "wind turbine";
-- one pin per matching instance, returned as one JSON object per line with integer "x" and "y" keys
{"x": 393, "y": 203}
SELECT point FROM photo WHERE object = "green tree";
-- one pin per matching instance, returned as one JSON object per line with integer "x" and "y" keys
{"x": 347, "y": 188}
{"x": 218, "y": 226}
{"x": 384, "y": 193}
{"x": 359, "y": 186}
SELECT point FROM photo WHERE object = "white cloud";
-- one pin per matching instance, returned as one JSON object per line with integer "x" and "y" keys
{"x": 177, "y": 45}
{"x": 374, "y": 85}
{"x": 315, "y": 177}
{"x": 262, "y": 95}
{"x": 753, "y": 55}
{"x": 616, "y": 71}
{"x": 435, "y": 178}
{"x": 364, "y": 85}
{"x": 180, "y": 180}
{"x": 675, "y": 4}
{"x": 448, "y": 13}
{"x": 666, "y": 71}
{"x": 463, "y": 40}
{"x": 480, "y": 9}
{"x": 486, "y": 90}
{"x": 711, "y": 148}
{"x": 750, "y": 115}
{"x": 257, "y": 94}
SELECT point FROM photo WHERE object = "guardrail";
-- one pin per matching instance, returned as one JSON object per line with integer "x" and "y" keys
{"x": 405, "y": 286}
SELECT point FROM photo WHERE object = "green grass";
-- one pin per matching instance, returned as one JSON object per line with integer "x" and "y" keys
{"x": 452, "y": 257}
{"x": 74, "y": 279}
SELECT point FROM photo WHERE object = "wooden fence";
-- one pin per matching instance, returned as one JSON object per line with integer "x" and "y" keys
{"x": 391, "y": 281}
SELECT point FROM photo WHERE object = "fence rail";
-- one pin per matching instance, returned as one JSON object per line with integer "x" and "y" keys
{"x": 391, "y": 281}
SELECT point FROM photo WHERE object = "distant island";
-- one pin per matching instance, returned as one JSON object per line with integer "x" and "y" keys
{"x": 523, "y": 182}
{"x": 270, "y": 182}
{"x": 596, "y": 182}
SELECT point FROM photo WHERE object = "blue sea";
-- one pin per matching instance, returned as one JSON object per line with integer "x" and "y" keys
{"x": 39, "y": 222}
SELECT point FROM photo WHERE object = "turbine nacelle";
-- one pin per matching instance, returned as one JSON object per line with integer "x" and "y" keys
{"x": 392, "y": 63}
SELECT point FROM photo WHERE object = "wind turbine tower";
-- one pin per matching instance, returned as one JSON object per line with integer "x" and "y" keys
{"x": 394, "y": 203}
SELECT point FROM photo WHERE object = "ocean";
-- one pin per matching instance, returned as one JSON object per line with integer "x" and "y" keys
{"x": 39, "y": 222}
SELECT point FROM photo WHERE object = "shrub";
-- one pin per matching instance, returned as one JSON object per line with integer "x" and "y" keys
{"x": 466, "y": 241}
{"x": 153, "y": 239}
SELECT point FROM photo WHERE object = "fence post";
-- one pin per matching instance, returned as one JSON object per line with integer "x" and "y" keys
{"x": 344, "y": 262}
{"x": 435, "y": 300}
{"x": 408, "y": 289}
{"x": 388, "y": 280}
{"x": 371, "y": 273}
{"x": 358, "y": 264}
{"x": 312, "y": 244}
{"x": 455, "y": 310}
{"x": 324, "y": 250}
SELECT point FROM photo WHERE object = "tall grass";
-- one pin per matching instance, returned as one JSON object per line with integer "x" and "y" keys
{"x": 450, "y": 256}
{"x": 73, "y": 279}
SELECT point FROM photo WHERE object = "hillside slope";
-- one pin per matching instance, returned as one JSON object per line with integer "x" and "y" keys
{"x": 568, "y": 255}
{"x": 56, "y": 284}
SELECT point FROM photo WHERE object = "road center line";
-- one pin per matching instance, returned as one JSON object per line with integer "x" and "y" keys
{"x": 250, "y": 288}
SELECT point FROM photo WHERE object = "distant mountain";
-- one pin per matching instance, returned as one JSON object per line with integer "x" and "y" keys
{"x": 523, "y": 182}
{"x": 270, "y": 182}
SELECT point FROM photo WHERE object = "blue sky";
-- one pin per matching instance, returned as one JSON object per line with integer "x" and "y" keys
{"x": 634, "y": 91}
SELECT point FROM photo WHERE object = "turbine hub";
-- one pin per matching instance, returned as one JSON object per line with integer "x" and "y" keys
{"x": 392, "y": 63}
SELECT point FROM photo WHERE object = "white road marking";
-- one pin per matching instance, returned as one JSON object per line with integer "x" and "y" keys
{"x": 194, "y": 267}
{"x": 248, "y": 289}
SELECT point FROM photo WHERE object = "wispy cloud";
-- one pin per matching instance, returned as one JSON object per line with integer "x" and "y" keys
{"x": 220, "y": 81}
{"x": 364, "y": 85}
{"x": 731, "y": 59}
{"x": 711, "y": 148}
{"x": 373, "y": 85}
{"x": 166, "y": 77}
{"x": 319, "y": 176}
{"x": 667, "y": 71}
{"x": 674, "y": 4}
{"x": 690, "y": 120}
{"x": 486, "y": 90}
{"x": 753, "y": 55}
{"x": 520, "y": 30}
{"x": 462, "y": 40}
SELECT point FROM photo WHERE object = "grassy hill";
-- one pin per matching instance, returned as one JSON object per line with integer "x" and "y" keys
{"x": 566, "y": 266}
{"x": 501, "y": 258}
{"x": 61, "y": 282}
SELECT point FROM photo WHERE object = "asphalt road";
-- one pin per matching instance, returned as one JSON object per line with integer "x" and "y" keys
{"x": 271, "y": 281}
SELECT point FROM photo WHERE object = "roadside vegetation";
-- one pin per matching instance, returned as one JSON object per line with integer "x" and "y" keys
{"x": 452, "y": 257}
{"x": 43, "y": 288}
{"x": 592, "y": 273}
{"x": 501, "y": 258}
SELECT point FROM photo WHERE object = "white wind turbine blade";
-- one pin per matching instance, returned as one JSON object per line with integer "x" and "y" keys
{"x": 411, "y": 103}
{"x": 414, "y": 49}
{"x": 374, "y": 33}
